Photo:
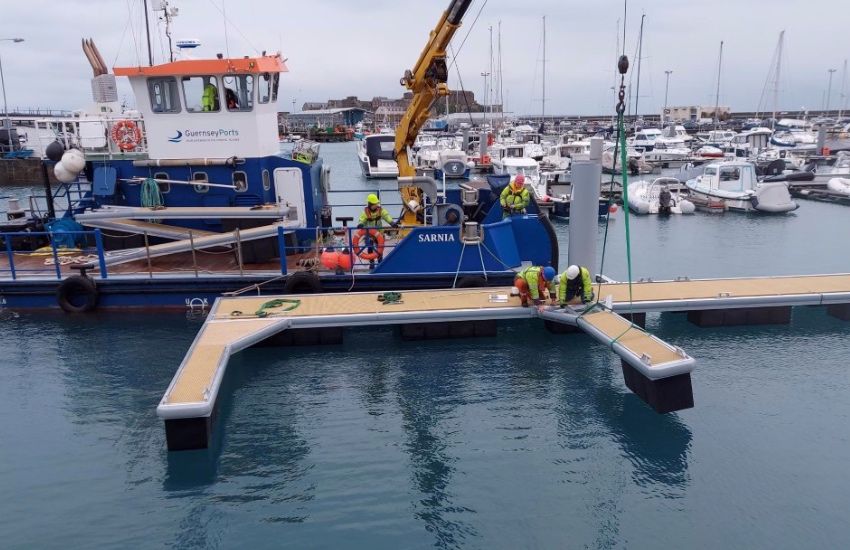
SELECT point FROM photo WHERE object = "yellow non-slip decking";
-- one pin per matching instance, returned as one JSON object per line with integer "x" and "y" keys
{"x": 785, "y": 290}
{"x": 658, "y": 372}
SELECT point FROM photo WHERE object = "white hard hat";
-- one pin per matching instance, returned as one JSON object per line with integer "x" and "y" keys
{"x": 572, "y": 272}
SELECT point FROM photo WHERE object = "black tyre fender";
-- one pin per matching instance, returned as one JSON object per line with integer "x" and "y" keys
{"x": 471, "y": 281}
{"x": 77, "y": 294}
{"x": 302, "y": 282}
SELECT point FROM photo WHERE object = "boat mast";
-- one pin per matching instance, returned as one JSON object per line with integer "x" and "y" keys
{"x": 776, "y": 79}
{"x": 501, "y": 89}
{"x": 639, "y": 55}
{"x": 148, "y": 32}
{"x": 717, "y": 95}
{"x": 543, "y": 109}
{"x": 843, "y": 103}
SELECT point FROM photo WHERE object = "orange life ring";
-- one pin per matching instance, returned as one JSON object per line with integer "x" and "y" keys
{"x": 361, "y": 249}
{"x": 126, "y": 135}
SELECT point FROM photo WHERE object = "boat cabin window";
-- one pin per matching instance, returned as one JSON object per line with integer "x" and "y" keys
{"x": 266, "y": 82}
{"x": 240, "y": 181}
{"x": 710, "y": 172}
{"x": 275, "y": 81}
{"x": 730, "y": 178}
{"x": 164, "y": 95}
{"x": 201, "y": 94}
{"x": 267, "y": 182}
{"x": 201, "y": 180}
{"x": 516, "y": 152}
{"x": 164, "y": 186}
{"x": 239, "y": 92}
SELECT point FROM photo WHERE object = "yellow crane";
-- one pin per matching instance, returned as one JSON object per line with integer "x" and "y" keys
{"x": 427, "y": 80}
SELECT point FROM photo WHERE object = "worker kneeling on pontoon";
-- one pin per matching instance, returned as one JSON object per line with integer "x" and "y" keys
{"x": 533, "y": 284}
{"x": 572, "y": 285}
{"x": 514, "y": 198}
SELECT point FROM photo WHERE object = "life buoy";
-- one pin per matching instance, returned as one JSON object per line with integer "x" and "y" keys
{"x": 362, "y": 249}
{"x": 77, "y": 294}
{"x": 126, "y": 135}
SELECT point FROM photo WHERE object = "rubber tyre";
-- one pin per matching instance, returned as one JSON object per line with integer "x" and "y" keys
{"x": 77, "y": 294}
{"x": 302, "y": 282}
{"x": 471, "y": 281}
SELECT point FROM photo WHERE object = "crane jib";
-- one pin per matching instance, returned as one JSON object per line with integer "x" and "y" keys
{"x": 457, "y": 9}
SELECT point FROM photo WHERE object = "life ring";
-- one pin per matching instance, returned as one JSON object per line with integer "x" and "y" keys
{"x": 126, "y": 135}
{"x": 302, "y": 282}
{"x": 362, "y": 249}
{"x": 77, "y": 294}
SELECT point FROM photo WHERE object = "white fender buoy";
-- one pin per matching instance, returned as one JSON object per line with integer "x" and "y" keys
{"x": 63, "y": 174}
{"x": 686, "y": 206}
{"x": 73, "y": 160}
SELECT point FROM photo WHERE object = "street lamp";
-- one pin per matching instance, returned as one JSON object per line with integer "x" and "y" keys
{"x": 829, "y": 89}
{"x": 8, "y": 122}
{"x": 485, "y": 75}
{"x": 666, "y": 88}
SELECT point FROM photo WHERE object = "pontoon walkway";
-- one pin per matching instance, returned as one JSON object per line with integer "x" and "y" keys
{"x": 656, "y": 371}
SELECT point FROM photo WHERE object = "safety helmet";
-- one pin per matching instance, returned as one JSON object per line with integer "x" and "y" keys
{"x": 572, "y": 272}
{"x": 548, "y": 273}
{"x": 372, "y": 198}
{"x": 519, "y": 181}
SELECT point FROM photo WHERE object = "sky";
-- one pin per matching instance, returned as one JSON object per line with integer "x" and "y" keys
{"x": 337, "y": 48}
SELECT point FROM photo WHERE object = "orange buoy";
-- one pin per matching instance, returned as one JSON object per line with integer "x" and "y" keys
{"x": 612, "y": 209}
{"x": 330, "y": 259}
{"x": 344, "y": 260}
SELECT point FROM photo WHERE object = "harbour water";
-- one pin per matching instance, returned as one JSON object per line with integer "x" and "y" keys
{"x": 525, "y": 440}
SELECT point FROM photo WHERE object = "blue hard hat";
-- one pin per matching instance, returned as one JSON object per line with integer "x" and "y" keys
{"x": 548, "y": 272}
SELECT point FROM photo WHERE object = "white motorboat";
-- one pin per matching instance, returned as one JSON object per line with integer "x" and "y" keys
{"x": 839, "y": 169}
{"x": 839, "y": 185}
{"x": 654, "y": 197}
{"x": 734, "y": 185}
{"x": 376, "y": 155}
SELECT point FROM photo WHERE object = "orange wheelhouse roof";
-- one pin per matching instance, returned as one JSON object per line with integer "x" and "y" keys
{"x": 189, "y": 67}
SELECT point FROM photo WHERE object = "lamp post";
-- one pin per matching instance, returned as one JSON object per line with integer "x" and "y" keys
{"x": 485, "y": 75}
{"x": 8, "y": 122}
{"x": 666, "y": 88}
{"x": 829, "y": 89}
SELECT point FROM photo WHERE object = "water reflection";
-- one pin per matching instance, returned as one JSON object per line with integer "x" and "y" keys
{"x": 428, "y": 396}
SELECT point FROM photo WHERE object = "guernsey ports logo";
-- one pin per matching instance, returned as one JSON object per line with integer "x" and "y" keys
{"x": 205, "y": 136}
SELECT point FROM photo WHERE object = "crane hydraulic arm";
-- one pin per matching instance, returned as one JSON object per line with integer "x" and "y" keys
{"x": 427, "y": 81}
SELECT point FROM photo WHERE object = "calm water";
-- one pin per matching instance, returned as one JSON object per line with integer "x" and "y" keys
{"x": 525, "y": 440}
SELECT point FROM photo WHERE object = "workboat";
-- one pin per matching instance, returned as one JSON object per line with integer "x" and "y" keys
{"x": 375, "y": 153}
{"x": 654, "y": 197}
{"x": 734, "y": 185}
{"x": 191, "y": 197}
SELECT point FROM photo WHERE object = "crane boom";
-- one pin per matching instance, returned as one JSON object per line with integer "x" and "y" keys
{"x": 427, "y": 80}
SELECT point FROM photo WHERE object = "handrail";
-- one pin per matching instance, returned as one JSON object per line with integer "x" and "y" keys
{"x": 57, "y": 265}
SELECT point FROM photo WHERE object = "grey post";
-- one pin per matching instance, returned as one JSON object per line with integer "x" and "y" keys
{"x": 584, "y": 207}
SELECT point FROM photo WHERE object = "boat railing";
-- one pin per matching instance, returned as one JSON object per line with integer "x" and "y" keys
{"x": 56, "y": 257}
{"x": 355, "y": 244}
{"x": 92, "y": 134}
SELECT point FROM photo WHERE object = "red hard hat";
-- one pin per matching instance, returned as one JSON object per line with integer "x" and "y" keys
{"x": 520, "y": 179}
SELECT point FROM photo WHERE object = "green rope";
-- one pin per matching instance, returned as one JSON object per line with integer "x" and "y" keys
{"x": 623, "y": 163}
{"x": 272, "y": 304}
{"x": 151, "y": 196}
{"x": 389, "y": 298}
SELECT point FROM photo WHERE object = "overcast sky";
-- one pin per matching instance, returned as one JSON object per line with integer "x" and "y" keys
{"x": 337, "y": 48}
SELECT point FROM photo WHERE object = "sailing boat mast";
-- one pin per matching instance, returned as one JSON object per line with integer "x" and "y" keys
{"x": 499, "y": 87}
{"x": 148, "y": 32}
{"x": 843, "y": 103}
{"x": 543, "y": 109}
{"x": 717, "y": 96}
{"x": 776, "y": 80}
{"x": 639, "y": 56}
